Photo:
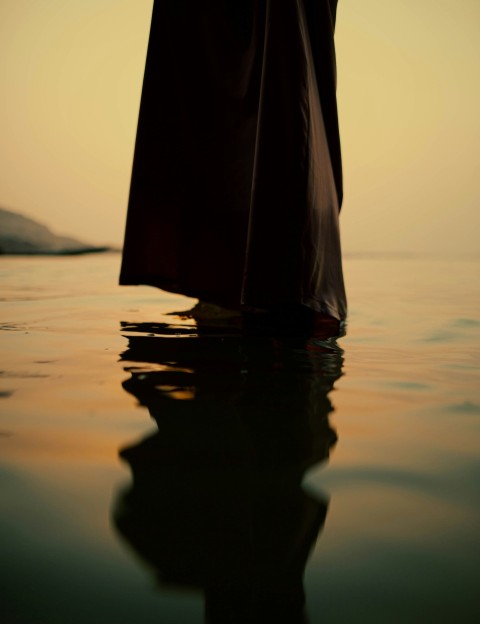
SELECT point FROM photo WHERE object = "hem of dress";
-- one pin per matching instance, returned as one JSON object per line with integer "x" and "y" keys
{"x": 175, "y": 288}
{"x": 338, "y": 312}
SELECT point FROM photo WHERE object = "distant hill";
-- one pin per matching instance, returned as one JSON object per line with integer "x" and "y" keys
{"x": 22, "y": 235}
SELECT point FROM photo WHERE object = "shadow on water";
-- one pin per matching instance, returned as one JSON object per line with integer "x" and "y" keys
{"x": 216, "y": 501}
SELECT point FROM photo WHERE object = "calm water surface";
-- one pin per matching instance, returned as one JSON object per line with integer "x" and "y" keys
{"x": 153, "y": 471}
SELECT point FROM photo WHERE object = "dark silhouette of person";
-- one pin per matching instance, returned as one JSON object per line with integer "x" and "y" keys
{"x": 216, "y": 501}
{"x": 237, "y": 181}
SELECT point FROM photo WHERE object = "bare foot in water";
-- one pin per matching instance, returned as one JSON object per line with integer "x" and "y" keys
{"x": 281, "y": 320}
{"x": 210, "y": 314}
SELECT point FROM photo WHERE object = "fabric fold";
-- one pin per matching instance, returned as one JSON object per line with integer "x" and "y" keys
{"x": 236, "y": 181}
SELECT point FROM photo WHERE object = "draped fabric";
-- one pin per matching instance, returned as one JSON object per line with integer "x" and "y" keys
{"x": 236, "y": 184}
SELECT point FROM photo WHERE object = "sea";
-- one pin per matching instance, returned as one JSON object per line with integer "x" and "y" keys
{"x": 158, "y": 470}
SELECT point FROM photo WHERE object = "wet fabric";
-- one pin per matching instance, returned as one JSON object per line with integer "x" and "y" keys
{"x": 236, "y": 184}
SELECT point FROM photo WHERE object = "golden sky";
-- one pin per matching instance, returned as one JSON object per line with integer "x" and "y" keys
{"x": 409, "y": 96}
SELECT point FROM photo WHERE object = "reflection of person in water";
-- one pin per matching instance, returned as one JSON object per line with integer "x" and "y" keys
{"x": 216, "y": 500}
{"x": 237, "y": 183}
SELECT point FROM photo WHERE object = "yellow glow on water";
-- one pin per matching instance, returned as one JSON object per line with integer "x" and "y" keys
{"x": 51, "y": 445}
{"x": 401, "y": 478}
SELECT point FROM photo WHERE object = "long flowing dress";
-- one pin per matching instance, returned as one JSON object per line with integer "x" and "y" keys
{"x": 237, "y": 184}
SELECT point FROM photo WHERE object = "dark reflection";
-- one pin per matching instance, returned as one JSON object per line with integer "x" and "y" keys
{"x": 216, "y": 501}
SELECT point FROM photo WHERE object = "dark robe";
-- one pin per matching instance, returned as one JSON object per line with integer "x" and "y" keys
{"x": 237, "y": 185}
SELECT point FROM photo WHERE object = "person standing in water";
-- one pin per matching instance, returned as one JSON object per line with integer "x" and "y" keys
{"x": 237, "y": 181}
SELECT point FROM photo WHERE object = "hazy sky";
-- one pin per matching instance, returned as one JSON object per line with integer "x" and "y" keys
{"x": 409, "y": 98}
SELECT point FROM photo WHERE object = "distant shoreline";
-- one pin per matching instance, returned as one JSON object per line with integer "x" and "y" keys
{"x": 65, "y": 252}
{"x": 22, "y": 236}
